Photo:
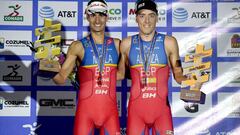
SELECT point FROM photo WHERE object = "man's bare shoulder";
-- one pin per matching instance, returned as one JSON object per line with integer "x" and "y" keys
{"x": 127, "y": 41}
{"x": 127, "y": 38}
{"x": 75, "y": 46}
{"x": 171, "y": 45}
{"x": 170, "y": 40}
{"x": 126, "y": 44}
{"x": 76, "y": 43}
{"x": 116, "y": 39}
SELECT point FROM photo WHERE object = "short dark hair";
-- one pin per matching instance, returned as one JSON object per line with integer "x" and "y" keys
{"x": 146, "y": 4}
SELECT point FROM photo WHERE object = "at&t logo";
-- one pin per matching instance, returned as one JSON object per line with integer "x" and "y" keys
{"x": 180, "y": 15}
{"x": 46, "y": 12}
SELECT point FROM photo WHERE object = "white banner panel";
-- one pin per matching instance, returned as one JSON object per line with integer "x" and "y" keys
{"x": 65, "y": 12}
{"x": 16, "y": 13}
{"x": 15, "y": 104}
{"x": 14, "y": 42}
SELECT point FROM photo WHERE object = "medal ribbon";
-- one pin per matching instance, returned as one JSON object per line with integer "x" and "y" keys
{"x": 99, "y": 57}
{"x": 146, "y": 59}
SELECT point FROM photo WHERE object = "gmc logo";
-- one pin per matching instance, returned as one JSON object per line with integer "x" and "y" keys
{"x": 56, "y": 102}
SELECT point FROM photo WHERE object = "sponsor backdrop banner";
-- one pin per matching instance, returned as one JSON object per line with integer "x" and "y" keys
{"x": 31, "y": 105}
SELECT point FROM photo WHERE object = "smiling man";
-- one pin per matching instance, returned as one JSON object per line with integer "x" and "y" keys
{"x": 97, "y": 57}
{"x": 150, "y": 55}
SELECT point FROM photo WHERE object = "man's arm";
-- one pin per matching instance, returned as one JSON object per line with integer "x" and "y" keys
{"x": 75, "y": 51}
{"x": 123, "y": 62}
{"x": 117, "y": 43}
{"x": 172, "y": 50}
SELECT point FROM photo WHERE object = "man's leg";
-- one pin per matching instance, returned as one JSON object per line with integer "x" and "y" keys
{"x": 111, "y": 126}
{"x": 135, "y": 125}
{"x": 83, "y": 125}
{"x": 163, "y": 125}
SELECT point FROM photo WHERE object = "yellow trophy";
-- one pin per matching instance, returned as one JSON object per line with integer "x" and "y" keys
{"x": 194, "y": 72}
{"x": 47, "y": 50}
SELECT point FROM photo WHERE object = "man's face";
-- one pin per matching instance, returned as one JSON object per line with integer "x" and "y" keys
{"x": 97, "y": 21}
{"x": 146, "y": 20}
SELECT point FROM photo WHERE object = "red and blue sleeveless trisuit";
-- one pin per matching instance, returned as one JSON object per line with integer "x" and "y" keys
{"x": 97, "y": 107}
{"x": 148, "y": 108}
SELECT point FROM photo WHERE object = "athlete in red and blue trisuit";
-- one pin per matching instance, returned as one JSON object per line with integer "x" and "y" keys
{"x": 97, "y": 57}
{"x": 150, "y": 56}
{"x": 148, "y": 104}
{"x": 97, "y": 102}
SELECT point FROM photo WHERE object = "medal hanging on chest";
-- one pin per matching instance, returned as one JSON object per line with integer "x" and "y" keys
{"x": 99, "y": 80}
{"x": 100, "y": 58}
{"x": 146, "y": 57}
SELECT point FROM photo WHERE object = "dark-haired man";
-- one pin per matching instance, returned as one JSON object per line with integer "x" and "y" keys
{"x": 97, "y": 58}
{"x": 150, "y": 55}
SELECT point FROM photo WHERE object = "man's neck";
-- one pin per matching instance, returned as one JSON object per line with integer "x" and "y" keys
{"x": 147, "y": 37}
{"x": 98, "y": 37}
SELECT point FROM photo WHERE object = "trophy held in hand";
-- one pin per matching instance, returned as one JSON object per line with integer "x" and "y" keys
{"x": 197, "y": 75}
{"x": 47, "y": 50}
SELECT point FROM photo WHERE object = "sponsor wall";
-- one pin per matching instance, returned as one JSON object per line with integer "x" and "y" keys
{"x": 33, "y": 105}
